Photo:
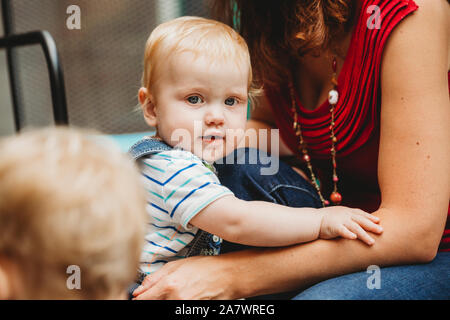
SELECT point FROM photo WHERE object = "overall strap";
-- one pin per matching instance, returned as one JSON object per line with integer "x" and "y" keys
{"x": 147, "y": 146}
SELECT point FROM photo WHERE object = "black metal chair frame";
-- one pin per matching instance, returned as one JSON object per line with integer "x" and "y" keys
{"x": 48, "y": 45}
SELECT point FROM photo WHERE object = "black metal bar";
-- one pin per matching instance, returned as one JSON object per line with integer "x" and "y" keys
{"x": 8, "y": 29}
{"x": 46, "y": 41}
{"x": 7, "y": 17}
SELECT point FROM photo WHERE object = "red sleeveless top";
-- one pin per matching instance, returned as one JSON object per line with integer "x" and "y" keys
{"x": 357, "y": 114}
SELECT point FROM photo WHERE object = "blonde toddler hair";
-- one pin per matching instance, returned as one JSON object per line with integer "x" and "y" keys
{"x": 213, "y": 39}
{"x": 67, "y": 200}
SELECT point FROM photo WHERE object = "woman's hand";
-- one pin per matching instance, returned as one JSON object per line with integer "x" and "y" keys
{"x": 194, "y": 278}
{"x": 348, "y": 223}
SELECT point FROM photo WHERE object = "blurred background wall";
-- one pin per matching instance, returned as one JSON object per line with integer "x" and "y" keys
{"x": 102, "y": 61}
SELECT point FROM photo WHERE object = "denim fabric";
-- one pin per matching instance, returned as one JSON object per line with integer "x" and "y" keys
{"x": 131, "y": 289}
{"x": 429, "y": 281}
{"x": 147, "y": 146}
{"x": 284, "y": 187}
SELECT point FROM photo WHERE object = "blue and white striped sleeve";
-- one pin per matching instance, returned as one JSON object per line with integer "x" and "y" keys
{"x": 188, "y": 187}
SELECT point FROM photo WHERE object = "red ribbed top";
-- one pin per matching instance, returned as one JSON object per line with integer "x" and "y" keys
{"x": 357, "y": 114}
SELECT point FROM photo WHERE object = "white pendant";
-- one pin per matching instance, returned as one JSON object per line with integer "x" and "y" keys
{"x": 333, "y": 97}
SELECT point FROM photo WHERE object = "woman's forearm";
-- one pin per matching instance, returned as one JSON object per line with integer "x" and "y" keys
{"x": 264, "y": 271}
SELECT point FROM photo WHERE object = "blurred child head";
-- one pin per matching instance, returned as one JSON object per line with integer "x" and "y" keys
{"x": 196, "y": 83}
{"x": 66, "y": 200}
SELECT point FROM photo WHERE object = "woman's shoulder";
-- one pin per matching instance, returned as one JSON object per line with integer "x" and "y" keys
{"x": 396, "y": 23}
{"x": 433, "y": 12}
{"x": 381, "y": 16}
{"x": 431, "y": 16}
{"x": 428, "y": 29}
{"x": 435, "y": 5}
{"x": 389, "y": 13}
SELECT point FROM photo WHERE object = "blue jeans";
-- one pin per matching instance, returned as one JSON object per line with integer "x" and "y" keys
{"x": 287, "y": 187}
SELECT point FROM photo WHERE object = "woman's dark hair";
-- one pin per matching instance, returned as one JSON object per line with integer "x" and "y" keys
{"x": 278, "y": 31}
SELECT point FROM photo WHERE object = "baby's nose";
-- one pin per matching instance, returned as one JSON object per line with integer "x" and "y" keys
{"x": 214, "y": 115}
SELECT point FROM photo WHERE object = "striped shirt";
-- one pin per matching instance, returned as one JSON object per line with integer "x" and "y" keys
{"x": 178, "y": 187}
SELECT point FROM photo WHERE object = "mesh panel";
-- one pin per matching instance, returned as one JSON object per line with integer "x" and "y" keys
{"x": 102, "y": 62}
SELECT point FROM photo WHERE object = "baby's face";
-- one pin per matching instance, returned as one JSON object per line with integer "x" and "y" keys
{"x": 200, "y": 106}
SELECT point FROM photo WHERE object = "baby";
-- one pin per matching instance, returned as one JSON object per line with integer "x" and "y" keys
{"x": 196, "y": 84}
{"x": 72, "y": 217}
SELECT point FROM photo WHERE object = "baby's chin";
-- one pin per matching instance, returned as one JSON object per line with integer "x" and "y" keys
{"x": 210, "y": 155}
{"x": 212, "y": 152}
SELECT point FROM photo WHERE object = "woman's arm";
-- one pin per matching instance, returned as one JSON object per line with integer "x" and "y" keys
{"x": 415, "y": 132}
{"x": 414, "y": 166}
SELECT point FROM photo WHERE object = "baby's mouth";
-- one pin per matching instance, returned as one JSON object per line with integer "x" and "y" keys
{"x": 212, "y": 138}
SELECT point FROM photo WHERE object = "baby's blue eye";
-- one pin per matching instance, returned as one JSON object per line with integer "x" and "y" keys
{"x": 194, "y": 100}
{"x": 230, "y": 101}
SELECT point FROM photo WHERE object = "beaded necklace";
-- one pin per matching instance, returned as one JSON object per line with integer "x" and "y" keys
{"x": 333, "y": 97}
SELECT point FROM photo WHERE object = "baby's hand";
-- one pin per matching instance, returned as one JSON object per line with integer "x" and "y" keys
{"x": 348, "y": 223}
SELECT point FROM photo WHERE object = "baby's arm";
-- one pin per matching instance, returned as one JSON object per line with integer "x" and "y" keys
{"x": 260, "y": 223}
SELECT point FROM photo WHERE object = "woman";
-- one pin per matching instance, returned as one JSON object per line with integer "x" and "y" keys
{"x": 379, "y": 142}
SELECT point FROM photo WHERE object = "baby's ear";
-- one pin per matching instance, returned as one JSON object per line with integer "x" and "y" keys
{"x": 148, "y": 106}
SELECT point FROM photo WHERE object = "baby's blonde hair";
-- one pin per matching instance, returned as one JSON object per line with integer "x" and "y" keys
{"x": 200, "y": 36}
{"x": 66, "y": 199}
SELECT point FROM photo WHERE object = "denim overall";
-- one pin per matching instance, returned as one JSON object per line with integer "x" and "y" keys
{"x": 204, "y": 243}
